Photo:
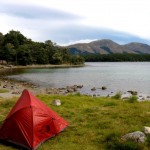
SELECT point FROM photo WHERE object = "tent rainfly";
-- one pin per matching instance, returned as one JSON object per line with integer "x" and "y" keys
{"x": 31, "y": 122}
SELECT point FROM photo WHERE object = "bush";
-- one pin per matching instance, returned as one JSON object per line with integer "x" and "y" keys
{"x": 133, "y": 99}
{"x": 117, "y": 95}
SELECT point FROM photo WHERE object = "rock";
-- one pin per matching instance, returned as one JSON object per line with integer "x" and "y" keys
{"x": 93, "y": 89}
{"x": 146, "y": 130}
{"x": 70, "y": 90}
{"x": 94, "y": 95}
{"x": 4, "y": 86}
{"x": 133, "y": 92}
{"x": 137, "y": 136}
{"x": 104, "y": 88}
{"x": 148, "y": 97}
{"x": 16, "y": 92}
{"x": 79, "y": 86}
{"x": 10, "y": 66}
{"x": 108, "y": 95}
{"x": 12, "y": 86}
{"x": 74, "y": 88}
{"x": 56, "y": 102}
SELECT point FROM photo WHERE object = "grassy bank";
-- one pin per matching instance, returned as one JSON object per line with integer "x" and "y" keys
{"x": 95, "y": 123}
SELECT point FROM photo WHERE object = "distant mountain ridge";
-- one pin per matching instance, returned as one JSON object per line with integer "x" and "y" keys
{"x": 107, "y": 46}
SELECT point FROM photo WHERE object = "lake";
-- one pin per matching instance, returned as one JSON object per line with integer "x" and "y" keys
{"x": 116, "y": 76}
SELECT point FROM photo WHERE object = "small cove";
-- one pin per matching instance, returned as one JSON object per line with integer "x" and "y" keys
{"x": 116, "y": 76}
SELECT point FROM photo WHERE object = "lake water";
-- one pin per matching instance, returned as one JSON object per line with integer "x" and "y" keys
{"x": 116, "y": 76}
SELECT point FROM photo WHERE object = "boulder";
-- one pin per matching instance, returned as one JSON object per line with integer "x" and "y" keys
{"x": 56, "y": 102}
{"x": 15, "y": 92}
{"x": 104, "y": 88}
{"x": 125, "y": 98}
{"x": 79, "y": 86}
{"x": 70, "y": 90}
{"x": 93, "y": 89}
{"x": 146, "y": 130}
{"x": 133, "y": 92}
{"x": 94, "y": 95}
{"x": 4, "y": 86}
{"x": 137, "y": 136}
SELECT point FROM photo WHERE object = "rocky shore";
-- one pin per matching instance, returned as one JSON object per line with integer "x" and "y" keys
{"x": 12, "y": 88}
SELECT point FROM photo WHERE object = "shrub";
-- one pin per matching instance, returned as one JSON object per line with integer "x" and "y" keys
{"x": 133, "y": 99}
{"x": 117, "y": 95}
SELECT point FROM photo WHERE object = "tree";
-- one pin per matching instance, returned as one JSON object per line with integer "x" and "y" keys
{"x": 15, "y": 38}
{"x": 15, "y": 48}
{"x": 24, "y": 55}
{"x": 76, "y": 60}
{"x": 1, "y": 48}
{"x": 8, "y": 52}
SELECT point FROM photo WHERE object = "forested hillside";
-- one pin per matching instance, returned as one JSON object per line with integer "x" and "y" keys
{"x": 116, "y": 57}
{"x": 16, "y": 49}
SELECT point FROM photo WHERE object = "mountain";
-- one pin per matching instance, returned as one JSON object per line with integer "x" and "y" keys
{"x": 108, "y": 47}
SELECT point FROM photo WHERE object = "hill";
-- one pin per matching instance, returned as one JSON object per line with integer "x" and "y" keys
{"x": 108, "y": 47}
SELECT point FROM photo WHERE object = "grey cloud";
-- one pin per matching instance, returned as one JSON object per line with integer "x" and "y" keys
{"x": 35, "y": 12}
{"x": 76, "y": 32}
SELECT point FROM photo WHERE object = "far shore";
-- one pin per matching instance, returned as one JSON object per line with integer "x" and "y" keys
{"x": 3, "y": 67}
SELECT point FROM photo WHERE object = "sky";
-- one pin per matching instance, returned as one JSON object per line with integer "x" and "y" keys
{"x": 66, "y": 22}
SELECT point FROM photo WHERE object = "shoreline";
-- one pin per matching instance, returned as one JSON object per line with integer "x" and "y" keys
{"x": 7, "y": 67}
{"x": 10, "y": 88}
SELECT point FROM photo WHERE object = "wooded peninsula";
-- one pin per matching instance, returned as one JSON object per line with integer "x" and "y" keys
{"x": 16, "y": 49}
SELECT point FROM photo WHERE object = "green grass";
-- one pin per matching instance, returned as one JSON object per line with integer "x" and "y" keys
{"x": 3, "y": 91}
{"x": 94, "y": 123}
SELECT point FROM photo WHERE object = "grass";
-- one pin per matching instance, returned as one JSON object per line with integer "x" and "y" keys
{"x": 3, "y": 91}
{"x": 94, "y": 123}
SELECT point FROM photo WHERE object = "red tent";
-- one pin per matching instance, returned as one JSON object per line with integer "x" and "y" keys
{"x": 31, "y": 122}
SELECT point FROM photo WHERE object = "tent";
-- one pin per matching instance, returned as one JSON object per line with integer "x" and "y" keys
{"x": 31, "y": 122}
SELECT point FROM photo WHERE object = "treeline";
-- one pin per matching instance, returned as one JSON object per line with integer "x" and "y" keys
{"x": 16, "y": 49}
{"x": 116, "y": 57}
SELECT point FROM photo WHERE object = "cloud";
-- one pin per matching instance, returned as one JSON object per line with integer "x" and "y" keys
{"x": 73, "y": 33}
{"x": 35, "y": 12}
{"x": 66, "y": 22}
